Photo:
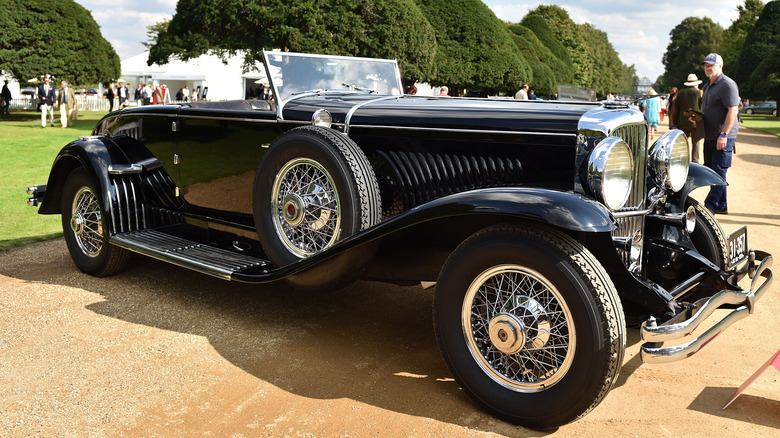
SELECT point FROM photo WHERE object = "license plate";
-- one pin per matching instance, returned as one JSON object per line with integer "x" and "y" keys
{"x": 738, "y": 248}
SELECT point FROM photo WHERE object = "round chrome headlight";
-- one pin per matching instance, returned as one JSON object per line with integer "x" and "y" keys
{"x": 669, "y": 160}
{"x": 610, "y": 170}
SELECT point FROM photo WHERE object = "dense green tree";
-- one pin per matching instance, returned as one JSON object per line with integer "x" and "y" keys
{"x": 608, "y": 74}
{"x": 373, "y": 28}
{"x": 691, "y": 41}
{"x": 475, "y": 49}
{"x": 572, "y": 38}
{"x": 757, "y": 69}
{"x": 734, "y": 36}
{"x": 57, "y": 37}
{"x": 558, "y": 59}
{"x": 539, "y": 58}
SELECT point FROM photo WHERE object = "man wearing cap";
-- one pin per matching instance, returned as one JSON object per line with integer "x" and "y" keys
{"x": 720, "y": 107}
{"x": 689, "y": 98}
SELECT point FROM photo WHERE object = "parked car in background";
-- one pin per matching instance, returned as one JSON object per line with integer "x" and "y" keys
{"x": 546, "y": 227}
{"x": 768, "y": 107}
{"x": 28, "y": 91}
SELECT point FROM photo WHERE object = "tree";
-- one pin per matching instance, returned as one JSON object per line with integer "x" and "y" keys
{"x": 538, "y": 57}
{"x": 734, "y": 36}
{"x": 475, "y": 50}
{"x": 560, "y": 63}
{"x": 378, "y": 28}
{"x": 57, "y": 37}
{"x": 691, "y": 41}
{"x": 609, "y": 74}
{"x": 757, "y": 70}
{"x": 571, "y": 37}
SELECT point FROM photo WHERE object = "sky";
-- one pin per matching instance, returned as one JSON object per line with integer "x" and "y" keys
{"x": 639, "y": 31}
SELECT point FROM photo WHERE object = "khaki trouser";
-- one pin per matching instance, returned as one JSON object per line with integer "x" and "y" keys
{"x": 65, "y": 115}
{"x": 696, "y": 140}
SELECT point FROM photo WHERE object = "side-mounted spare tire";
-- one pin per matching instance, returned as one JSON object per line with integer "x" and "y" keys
{"x": 313, "y": 188}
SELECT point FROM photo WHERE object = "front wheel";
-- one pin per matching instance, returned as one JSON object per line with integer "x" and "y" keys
{"x": 82, "y": 224}
{"x": 529, "y": 324}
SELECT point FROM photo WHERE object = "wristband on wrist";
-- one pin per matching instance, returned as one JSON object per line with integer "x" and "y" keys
{"x": 724, "y": 135}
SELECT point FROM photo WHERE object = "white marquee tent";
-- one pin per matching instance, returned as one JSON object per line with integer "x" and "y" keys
{"x": 221, "y": 80}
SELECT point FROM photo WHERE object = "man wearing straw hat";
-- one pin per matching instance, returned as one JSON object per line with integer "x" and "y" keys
{"x": 689, "y": 99}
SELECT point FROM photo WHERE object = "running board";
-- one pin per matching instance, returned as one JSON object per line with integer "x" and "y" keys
{"x": 206, "y": 259}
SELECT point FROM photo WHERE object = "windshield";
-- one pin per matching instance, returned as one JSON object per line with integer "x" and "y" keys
{"x": 293, "y": 73}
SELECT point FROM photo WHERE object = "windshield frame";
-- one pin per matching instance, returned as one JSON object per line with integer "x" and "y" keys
{"x": 280, "y": 100}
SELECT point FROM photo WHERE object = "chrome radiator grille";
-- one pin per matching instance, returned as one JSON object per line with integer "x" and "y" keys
{"x": 636, "y": 137}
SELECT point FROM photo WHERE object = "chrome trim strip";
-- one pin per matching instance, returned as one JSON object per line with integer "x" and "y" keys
{"x": 653, "y": 352}
{"x": 232, "y": 119}
{"x": 352, "y": 110}
{"x": 470, "y": 131}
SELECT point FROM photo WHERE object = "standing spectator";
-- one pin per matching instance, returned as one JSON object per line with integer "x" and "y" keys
{"x": 179, "y": 95}
{"x": 5, "y": 99}
{"x": 531, "y": 95}
{"x": 66, "y": 100}
{"x": 610, "y": 97}
{"x": 670, "y": 106}
{"x": 720, "y": 107}
{"x": 652, "y": 108}
{"x": 123, "y": 94}
{"x": 146, "y": 94}
{"x": 445, "y": 91}
{"x": 411, "y": 90}
{"x": 186, "y": 93}
{"x": 48, "y": 100}
{"x": 523, "y": 93}
{"x": 689, "y": 99}
{"x": 110, "y": 94}
{"x": 138, "y": 96}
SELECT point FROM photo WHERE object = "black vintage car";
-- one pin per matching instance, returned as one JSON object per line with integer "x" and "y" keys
{"x": 545, "y": 227}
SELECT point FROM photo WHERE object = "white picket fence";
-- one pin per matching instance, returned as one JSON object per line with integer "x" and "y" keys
{"x": 85, "y": 103}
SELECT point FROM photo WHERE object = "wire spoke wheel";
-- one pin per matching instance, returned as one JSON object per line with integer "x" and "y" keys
{"x": 306, "y": 205}
{"x": 527, "y": 325}
{"x": 85, "y": 222}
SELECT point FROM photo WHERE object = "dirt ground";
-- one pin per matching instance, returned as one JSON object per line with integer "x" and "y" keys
{"x": 161, "y": 351}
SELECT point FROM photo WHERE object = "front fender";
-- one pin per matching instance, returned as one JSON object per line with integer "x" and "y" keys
{"x": 95, "y": 154}
{"x": 698, "y": 176}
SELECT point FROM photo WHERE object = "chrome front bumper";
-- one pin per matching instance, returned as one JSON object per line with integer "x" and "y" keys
{"x": 677, "y": 328}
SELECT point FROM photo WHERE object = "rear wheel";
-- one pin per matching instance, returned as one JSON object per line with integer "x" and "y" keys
{"x": 82, "y": 224}
{"x": 749, "y": 111}
{"x": 529, "y": 324}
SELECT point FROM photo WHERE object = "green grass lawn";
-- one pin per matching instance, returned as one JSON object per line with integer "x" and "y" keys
{"x": 28, "y": 153}
{"x": 762, "y": 122}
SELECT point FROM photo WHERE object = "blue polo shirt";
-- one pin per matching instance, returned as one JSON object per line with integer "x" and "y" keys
{"x": 715, "y": 102}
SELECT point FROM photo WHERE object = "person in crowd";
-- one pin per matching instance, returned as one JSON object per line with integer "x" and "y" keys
{"x": 652, "y": 107}
{"x": 139, "y": 93}
{"x": 610, "y": 97}
{"x": 66, "y": 101}
{"x": 720, "y": 108}
{"x": 123, "y": 94}
{"x": 194, "y": 97}
{"x": 523, "y": 93}
{"x": 411, "y": 90}
{"x": 670, "y": 105}
{"x": 445, "y": 91}
{"x": 48, "y": 99}
{"x": 147, "y": 93}
{"x": 5, "y": 99}
{"x": 186, "y": 93}
{"x": 110, "y": 95}
{"x": 179, "y": 95}
{"x": 689, "y": 99}
{"x": 531, "y": 95}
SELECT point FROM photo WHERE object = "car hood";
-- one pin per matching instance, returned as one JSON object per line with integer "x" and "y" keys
{"x": 441, "y": 112}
